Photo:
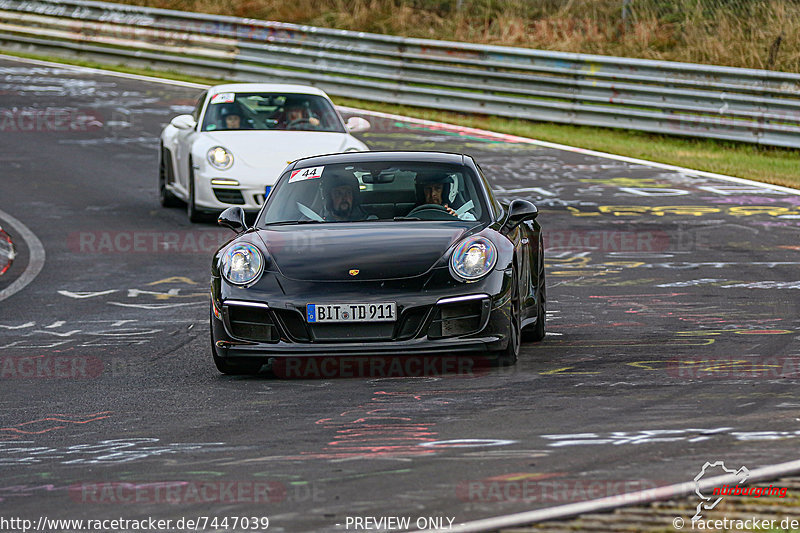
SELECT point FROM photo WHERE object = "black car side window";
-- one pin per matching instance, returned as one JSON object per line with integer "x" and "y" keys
{"x": 496, "y": 207}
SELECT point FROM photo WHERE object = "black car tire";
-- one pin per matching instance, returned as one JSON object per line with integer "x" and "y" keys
{"x": 538, "y": 331}
{"x": 508, "y": 357}
{"x": 165, "y": 196}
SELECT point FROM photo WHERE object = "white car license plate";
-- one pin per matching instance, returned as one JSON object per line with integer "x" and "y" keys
{"x": 379, "y": 312}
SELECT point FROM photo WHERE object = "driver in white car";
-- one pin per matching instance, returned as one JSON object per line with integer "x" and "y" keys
{"x": 298, "y": 117}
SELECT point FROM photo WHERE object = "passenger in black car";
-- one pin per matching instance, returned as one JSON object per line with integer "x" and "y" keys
{"x": 342, "y": 197}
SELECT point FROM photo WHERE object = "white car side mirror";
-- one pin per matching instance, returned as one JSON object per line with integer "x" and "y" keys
{"x": 357, "y": 124}
{"x": 184, "y": 122}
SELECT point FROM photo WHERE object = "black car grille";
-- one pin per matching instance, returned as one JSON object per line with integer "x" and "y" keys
{"x": 229, "y": 196}
{"x": 252, "y": 324}
{"x": 264, "y": 325}
{"x": 293, "y": 323}
{"x": 458, "y": 318}
{"x": 411, "y": 320}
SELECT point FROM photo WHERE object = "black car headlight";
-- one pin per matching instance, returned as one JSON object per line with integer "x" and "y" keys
{"x": 242, "y": 264}
{"x": 473, "y": 258}
{"x": 220, "y": 158}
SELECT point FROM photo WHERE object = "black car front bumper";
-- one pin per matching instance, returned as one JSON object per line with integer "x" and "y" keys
{"x": 472, "y": 320}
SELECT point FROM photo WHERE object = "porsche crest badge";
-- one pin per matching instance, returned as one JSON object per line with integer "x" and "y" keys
{"x": 354, "y": 272}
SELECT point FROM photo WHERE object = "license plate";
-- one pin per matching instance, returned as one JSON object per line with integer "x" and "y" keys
{"x": 380, "y": 312}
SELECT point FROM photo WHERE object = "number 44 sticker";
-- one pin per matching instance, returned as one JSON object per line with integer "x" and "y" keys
{"x": 306, "y": 174}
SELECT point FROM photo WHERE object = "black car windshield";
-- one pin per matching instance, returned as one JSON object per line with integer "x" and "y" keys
{"x": 270, "y": 111}
{"x": 376, "y": 191}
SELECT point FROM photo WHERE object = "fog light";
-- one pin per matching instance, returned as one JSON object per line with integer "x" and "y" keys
{"x": 224, "y": 181}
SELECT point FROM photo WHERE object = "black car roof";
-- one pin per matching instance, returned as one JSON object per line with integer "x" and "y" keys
{"x": 359, "y": 157}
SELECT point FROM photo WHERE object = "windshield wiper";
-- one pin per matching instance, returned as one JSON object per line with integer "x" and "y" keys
{"x": 290, "y": 222}
{"x": 406, "y": 218}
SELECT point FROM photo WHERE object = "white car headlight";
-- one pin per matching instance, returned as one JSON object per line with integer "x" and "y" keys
{"x": 220, "y": 158}
{"x": 242, "y": 264}
{"x": 473, "y": 258}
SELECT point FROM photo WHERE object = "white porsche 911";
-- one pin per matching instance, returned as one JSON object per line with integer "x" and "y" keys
{"x": 239, "y": 138}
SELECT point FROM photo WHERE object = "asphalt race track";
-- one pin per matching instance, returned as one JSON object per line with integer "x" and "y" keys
{"x": 674, "y": 339}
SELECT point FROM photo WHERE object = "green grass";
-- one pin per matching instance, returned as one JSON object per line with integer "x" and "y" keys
{"x": 770, "y": 165}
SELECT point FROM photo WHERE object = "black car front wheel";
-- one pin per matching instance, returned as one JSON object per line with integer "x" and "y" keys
{"x": 538, "y": 331}
{"x": 509, "y": 356}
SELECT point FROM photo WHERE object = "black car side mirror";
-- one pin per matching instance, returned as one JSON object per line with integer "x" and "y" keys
{"x": 233, "y": 218}
{"x": 518, "y": 211}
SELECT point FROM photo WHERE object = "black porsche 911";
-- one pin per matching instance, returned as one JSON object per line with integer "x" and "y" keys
{"x": 378, "y": 253}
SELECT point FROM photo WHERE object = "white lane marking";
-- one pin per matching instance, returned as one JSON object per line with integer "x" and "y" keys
{"x": 464, "y": 129}
{"x": 156, "y": 306}
{"x": 35, "y": 260}
{"x": 85, "y": 294}
{"x": 23, "y": 326}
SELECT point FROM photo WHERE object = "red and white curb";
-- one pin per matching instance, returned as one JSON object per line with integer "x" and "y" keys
{"x": 609, "y": 503}
{"x": 36, "y": 255}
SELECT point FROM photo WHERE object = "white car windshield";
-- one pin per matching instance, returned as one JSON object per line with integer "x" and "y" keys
{"x": 375, "y": 191}
{"x": 270, "y": 111}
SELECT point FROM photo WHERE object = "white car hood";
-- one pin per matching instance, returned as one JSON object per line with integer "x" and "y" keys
{"x": 270, "y": 151}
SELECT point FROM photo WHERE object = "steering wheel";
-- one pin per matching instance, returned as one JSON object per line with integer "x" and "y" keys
{"x": 434, "y": 209}
{"x": 298, "y": 122}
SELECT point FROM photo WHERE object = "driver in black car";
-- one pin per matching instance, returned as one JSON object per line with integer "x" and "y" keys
{"x": 435, "y": 189}
{"x": 342, "y": 197}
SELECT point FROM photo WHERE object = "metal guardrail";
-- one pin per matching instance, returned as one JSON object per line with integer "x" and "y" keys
{"x": 756, "y": 106}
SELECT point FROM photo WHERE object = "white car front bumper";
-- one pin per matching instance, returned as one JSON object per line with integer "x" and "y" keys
{"x": 215, "y": 191}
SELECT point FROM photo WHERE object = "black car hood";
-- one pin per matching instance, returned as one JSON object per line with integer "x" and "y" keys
{"x": 377, "y": 250}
